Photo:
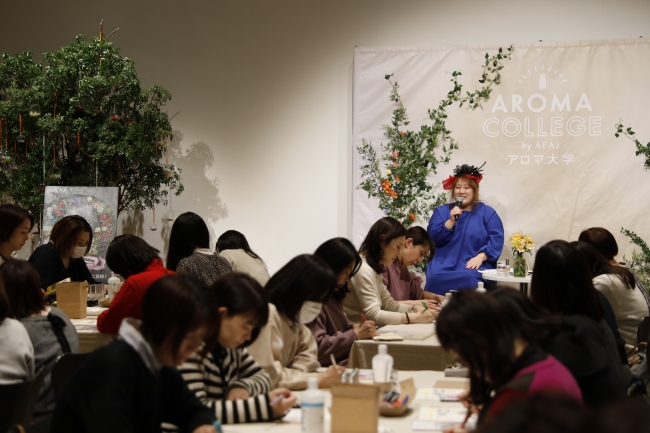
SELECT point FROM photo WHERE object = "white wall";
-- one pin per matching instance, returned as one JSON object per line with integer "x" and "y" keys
{"x": 265, "y": 85}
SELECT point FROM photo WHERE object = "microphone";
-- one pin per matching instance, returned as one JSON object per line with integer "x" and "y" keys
{"x": 459, "y": 201}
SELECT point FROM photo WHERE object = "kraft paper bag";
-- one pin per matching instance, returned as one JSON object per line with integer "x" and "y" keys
{"x": 71, "y": 299}
{"x": 355, "y": 408}
{"x": 407, "y": 389}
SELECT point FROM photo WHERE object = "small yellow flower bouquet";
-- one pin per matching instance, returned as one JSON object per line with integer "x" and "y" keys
{"x": 521, "y": 243}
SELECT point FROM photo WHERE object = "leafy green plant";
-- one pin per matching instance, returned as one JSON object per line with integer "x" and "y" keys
{"x": 81, "y": 118}
{"x": 398, "y": 177}
{"x": 640, "y": 262}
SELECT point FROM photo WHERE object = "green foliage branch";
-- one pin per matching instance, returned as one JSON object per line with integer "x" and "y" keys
{"x": 88, "y": 88}
{"x": 398, "y": 176}
{"x": 640, "y": 262}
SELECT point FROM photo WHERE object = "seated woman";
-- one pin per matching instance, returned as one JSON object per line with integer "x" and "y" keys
{"x": 602, "y": 239}
{"x": 619, "y": 287}
{"x": 562, "y": 284}
{"x": 402, "y": 285}
{"x": 17, "y": 354}
{"x": 15, "y": 225}
{"x": 227, "y": 379}
{"x": 62, "y": 257}
{"x": 189, "y": 250}
{"x": 286, "y": 348}
{"x": 506, "y": 362}
{"x": 577, "y": 342}
{"x": 140, "y": 387}
{"x": 139, "y": 264}
{"x": 233, "y": 246}
{"x": 368, "y": 295}
{"x": 334, "y": 333}
{"x": 50, "y": 330}
{"x": 468, "y": 235}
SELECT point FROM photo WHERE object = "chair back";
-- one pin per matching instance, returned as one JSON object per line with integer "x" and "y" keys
{"x": 64, "y": 368}
{"x": 643, "y": 333}
{"x": 17, "y": 401}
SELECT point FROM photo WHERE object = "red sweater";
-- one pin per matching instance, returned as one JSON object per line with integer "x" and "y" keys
{"x": 128, "y": 299}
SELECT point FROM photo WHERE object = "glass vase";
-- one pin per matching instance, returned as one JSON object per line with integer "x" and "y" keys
{"x": 519, "y": 267}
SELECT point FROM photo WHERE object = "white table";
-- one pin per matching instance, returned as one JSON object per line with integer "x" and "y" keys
{"x": 423, "y": 379}
{"x": 89, "y": 337}
{"x": 410, "y": 354}
{"x": 491, "y": 274}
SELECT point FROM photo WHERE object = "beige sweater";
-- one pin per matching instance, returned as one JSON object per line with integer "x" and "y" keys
{"x": 287, "y": 351}
{"x": 628, "y": 304}
{"x": 240, "y": 261}
{"x": 370, "y": 297}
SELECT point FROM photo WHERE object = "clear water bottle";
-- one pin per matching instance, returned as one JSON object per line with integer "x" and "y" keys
{"x": 114, "y": 284}
{"x": 313, "y": 408}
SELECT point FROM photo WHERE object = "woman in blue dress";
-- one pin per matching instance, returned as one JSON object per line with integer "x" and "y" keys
{"x": 468, "y": 235}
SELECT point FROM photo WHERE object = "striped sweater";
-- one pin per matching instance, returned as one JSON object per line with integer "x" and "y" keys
{"x": 212, "y": 377}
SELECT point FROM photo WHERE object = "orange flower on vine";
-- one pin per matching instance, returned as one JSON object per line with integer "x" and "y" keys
{"x": 412, "y": 216}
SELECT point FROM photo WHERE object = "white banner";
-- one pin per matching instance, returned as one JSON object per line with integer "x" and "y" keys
{"x": 553, "y": 166}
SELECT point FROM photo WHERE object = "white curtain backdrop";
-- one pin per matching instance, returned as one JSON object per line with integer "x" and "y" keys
{"x": 553, "y": 166}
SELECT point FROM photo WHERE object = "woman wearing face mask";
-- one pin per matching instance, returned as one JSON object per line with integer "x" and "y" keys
{"x": 468, "y": 235}
{"x": 227, "y": 379}
{"x": 402, "y": 285}
{"x": 62, "y": 257}
{"x": 368, "y": 295}
{"x": 15, "y": 225}
{"x": 140, "y": 387}
{"x": 334, "y": 333}
{"x": 286, "y": 348}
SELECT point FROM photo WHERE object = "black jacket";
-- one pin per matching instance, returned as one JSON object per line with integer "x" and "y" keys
{"x": 114, "y": 391}
{"x": 588, "y": 350}
{"x": 50, "y": 267}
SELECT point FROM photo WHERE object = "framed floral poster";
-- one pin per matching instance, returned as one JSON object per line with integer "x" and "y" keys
{"x": 98, "y": 206}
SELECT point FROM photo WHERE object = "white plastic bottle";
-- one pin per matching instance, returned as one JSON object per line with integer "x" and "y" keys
{"x": 382, "y": 365}
{"x": 447, "y": 299}
{"x": 313, "y": 407}
{"x": 481, "y": 287}
{"x": 114, "y": 284}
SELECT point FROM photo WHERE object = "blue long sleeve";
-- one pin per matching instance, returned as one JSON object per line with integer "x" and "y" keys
{"x": 476, "y": 231}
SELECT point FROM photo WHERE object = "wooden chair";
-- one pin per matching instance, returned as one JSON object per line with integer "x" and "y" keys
{"x": 64, "y": 368}
{"x": 17, "y": 401}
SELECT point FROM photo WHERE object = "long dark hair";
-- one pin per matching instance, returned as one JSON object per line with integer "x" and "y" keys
{"x": 11, "y": 217}
{"x": 421, "y": 238}
{"x": 561, "y": 282}
{"x": 241, "y": 294}
{"x": 188, "y": 232}
{"x": 599, "y": 265}
{"x": 482, "y": 331}
{"x": 601, "y": 239}
{"x": 339, "y": 253}
{"x": 22, "y": 285}
{"x": 129, "y": 255}
{"x": 537, "y": 323}
{"x": 176, "y": 305}
{"x": 304, "y": 278}
{"x": 65, "y": 232}
{"x": 381, "y": 233}
{"x": 234, "y": 240}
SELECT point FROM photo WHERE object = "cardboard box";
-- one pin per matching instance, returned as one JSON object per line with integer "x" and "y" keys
{"x": 407, "y": 389}
{"x": 355, "y": 408}
{"x": 71, "y": 299}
